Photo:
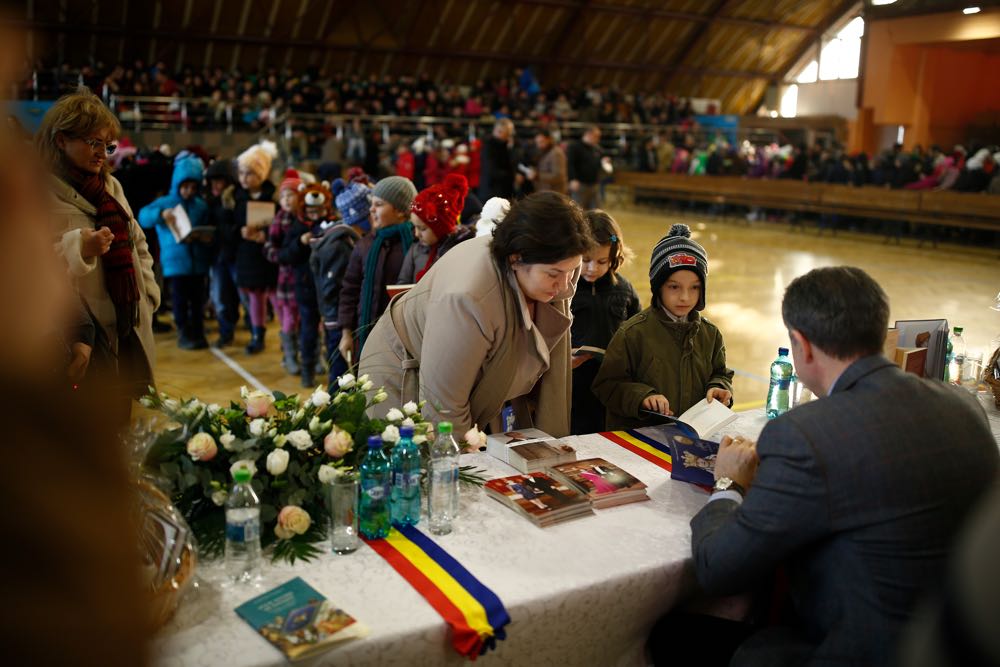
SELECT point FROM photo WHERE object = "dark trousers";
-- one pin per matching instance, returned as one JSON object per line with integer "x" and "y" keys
{"x": 714, "y": 640}
{"x": 225, "y": 297}
{"x": 588, "y": 413}
{"x": 335, "y": 362}
{"x": 188, "y": 293}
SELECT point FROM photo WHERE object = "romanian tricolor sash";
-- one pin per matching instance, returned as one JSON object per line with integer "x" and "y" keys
{"x": 642, "y": 445}
{"x": 476, "y": 615}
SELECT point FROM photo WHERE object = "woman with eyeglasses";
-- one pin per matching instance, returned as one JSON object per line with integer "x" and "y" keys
{"x": 103, "y": 246}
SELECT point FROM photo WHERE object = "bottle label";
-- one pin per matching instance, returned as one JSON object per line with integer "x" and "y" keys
{"x": 784, "y": 383}
{"x": 243, "y": 531}
{"x": 375, "y": 492}
{"x": 413, "y": 479}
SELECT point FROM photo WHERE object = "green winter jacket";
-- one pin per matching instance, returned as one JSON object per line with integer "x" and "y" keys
{"x": 651, "y": 354}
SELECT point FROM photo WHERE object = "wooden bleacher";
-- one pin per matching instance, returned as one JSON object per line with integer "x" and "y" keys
{"x": 924, "y": 207}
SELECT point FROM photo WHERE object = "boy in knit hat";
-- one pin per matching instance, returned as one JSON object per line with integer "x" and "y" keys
{"x": 375, "y": 262}
{"x": 668, "y": 357}
{"x": 435, "y": 216}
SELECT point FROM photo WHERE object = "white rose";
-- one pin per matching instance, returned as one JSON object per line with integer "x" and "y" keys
{"x": 227, "y": 439}
{"x": 327, "y": 473}
{"x": 300, "y": 440}
{"x": 379, "y": 396}
{"x": 280, "y": 440}
{"x": 171, "y": 404}
{"x": 394, "y": 415}
{"x": 408, "y": 422}
{"x": 320, "y": 398}
{"x": 390, "y": 434}
{"x": 346, "y": 381}
{"x": 419, "y": 439}
{"x": 219, "y": 497}
{"x": 367, "y": 385}
{"x": 214, "y": 408}
{"x": 338, "y": 398}
{"x": 410, "y": 408}
{"x": 247, "y": 464}
{"x": 146, "y": 402}
{"x": 257, "y": 427}
{"x": 277, "y": 461}
{"x": 475, "y": 438}
{"x": 363, "y": 378}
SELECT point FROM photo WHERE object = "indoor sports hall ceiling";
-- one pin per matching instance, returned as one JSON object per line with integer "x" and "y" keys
{"x": 730, "y": 50}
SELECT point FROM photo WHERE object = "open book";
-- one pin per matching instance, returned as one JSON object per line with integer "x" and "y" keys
{"x": 931, "y": 334}
{"x": 260, "y": 214}
{"x": 181, "y": 228}
{"x": 703, "y": 418}
{"x": 298, "y": 620}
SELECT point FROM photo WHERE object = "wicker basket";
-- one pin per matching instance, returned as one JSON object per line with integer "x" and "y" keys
{"x": 988, "y": 378}
{"x": 167, "y": 550}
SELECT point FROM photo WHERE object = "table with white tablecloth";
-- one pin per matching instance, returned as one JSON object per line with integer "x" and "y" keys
{"x": 585, "y": 592}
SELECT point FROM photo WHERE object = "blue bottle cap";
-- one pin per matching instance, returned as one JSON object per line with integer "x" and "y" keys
{"x": 782, "y": 351}
{"x": 374, "y": 441}
{"x": 406, "y": 432}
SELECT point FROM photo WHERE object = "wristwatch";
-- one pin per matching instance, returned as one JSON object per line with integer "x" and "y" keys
{"x": 726, "y": 484}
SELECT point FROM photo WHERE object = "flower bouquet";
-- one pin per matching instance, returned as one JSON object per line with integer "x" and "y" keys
{"x": 293, "y": 448}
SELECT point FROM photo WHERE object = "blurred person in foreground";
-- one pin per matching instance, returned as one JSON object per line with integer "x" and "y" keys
{"x": 857, "y": 496}
{"x": 69, "y": 563}
{"x": 101, "y": 243}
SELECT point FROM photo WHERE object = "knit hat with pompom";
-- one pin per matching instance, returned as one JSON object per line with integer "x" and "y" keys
{"x": 675, "y": 252}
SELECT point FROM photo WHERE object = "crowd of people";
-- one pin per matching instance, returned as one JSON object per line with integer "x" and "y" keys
{"x": 498, "y": 296}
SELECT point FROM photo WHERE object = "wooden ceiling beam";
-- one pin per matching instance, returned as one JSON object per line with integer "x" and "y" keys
{"x": 667, "y": 14}
{"x": 697, "y": 34}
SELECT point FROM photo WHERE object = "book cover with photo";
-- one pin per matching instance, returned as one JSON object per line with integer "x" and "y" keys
{"x": 540, "y": 497}
{"x": 529, "y": 449}
{"x": 604, "y": 483}
{"x": 692, "y": 459}
{"x": 298, "y": 620}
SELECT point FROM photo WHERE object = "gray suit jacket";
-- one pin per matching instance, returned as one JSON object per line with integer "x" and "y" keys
{"x": 858, "y": 495}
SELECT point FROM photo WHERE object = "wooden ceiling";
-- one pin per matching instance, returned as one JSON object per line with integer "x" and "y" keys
{"x": 724, "y": 49}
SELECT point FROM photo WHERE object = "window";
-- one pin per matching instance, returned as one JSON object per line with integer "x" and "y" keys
{"x": 809, "y": 73}
{"x": 790, "y": 102}
{"x": 841, "y": 56}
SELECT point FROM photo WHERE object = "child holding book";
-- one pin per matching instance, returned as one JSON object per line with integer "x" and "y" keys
{"x": 375, "y": 262}
{"x": 186, "y": 261}
{"x": 668, "y": 357}
{"x": 603, "y": 300}
{"x": 285, "y": 306}
{"x": 256, "y": 277}
{"x": 435, "y": 216}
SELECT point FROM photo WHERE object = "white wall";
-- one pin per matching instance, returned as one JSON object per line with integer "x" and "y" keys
{"x": 825, "y": 98}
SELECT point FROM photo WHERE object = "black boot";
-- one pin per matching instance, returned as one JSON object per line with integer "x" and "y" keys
{"x": 256, "y": 343}
{"x": 289, "y": 353}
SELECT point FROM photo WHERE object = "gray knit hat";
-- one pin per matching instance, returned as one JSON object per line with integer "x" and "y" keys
{"x": 396, "y": 190}
{"x": 674, "y": 252}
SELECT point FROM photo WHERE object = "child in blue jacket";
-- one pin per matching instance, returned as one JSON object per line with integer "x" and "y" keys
{"x": 186, "y": 262}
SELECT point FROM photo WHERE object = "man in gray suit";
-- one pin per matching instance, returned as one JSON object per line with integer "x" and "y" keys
{"x": 856, "y": 495}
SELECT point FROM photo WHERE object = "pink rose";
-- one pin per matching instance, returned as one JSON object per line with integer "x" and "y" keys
{"x": 259, "y": 404}
{"x": 201, "y": 447}
{"x": 337, "y": 443}
{"x": 292, "y": 520}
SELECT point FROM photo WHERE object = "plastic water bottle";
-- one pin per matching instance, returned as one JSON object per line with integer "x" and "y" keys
{"x": 406, "y": 479}
{"x": 956, "y": 356}
{"x": 242, "y": 529}
{"x": 442, "y": 499}
{"x": 781, "y": 378}
{"x": 374, "y": 506}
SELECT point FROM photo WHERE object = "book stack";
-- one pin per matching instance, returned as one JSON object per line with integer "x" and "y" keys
{"x": 529, "y": 450}
{"x": 539, "y": 497}
{"x": 604, "y": 483}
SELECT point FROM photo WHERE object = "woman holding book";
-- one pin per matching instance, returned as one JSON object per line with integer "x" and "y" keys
{"x": 487, "y": 326}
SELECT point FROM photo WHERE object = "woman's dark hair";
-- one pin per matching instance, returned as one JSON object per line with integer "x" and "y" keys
{"x": 840, "y": 309}
{"x": 607, "y": 232}
{"x": 542, "y": 228}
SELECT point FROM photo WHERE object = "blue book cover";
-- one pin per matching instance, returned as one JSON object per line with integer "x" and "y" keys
{"x": 692, "y": 458}
{"x": 299, "y": 620}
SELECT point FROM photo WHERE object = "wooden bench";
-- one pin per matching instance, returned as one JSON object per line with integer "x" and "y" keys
{"x": 951, "y": 209}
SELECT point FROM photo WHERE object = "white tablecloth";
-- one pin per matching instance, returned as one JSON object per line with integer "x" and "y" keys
{"x": 584, "y": 592}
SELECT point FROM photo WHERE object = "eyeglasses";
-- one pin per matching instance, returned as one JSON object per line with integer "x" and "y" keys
{"x": 97, "y": 144}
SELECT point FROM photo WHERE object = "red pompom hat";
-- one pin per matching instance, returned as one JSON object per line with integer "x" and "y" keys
{"x": 440, "y": 205}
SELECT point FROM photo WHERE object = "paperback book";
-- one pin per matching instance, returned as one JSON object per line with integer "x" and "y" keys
{"x": 692, "y": 458}
{"x": 604, "y": 483}
{"x": 539, "y": 497}
{"x": 298, "y": 620}
{"x": 529, "y": 449}
{"x": 181, "y": 228}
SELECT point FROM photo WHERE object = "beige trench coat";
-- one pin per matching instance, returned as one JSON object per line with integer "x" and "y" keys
{"x": 451, "y": 339}
{"x": 70, "y": 213}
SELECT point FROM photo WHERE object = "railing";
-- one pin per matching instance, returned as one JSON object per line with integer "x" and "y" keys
{"x": 186, "y": 114}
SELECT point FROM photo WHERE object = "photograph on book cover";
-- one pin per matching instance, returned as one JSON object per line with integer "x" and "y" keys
{"x": 537, "y": 494}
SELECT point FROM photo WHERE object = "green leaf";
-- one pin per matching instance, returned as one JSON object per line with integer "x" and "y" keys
{"x": 305, "y": 547}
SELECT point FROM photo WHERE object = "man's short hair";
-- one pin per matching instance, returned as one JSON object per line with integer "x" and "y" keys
{"x": 841, "y": 310}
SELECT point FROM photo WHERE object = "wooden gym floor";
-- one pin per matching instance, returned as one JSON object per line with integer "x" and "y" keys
{"x": 749, "y": 267}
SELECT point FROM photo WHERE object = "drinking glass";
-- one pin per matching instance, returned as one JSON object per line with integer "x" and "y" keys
{"x": 344, "y": 514}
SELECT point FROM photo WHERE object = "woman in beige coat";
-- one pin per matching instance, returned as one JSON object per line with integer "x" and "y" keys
{"x": 103, "y": 247}
{"x": 489, "y": 324}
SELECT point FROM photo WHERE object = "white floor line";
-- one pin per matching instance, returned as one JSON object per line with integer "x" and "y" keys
{"x": 239, "y": 370}
{"x": 758, "y": 378}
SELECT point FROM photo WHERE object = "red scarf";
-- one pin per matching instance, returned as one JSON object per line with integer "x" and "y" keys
{"x": 119, "y": 269}
{"x": 431, "y": 257}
